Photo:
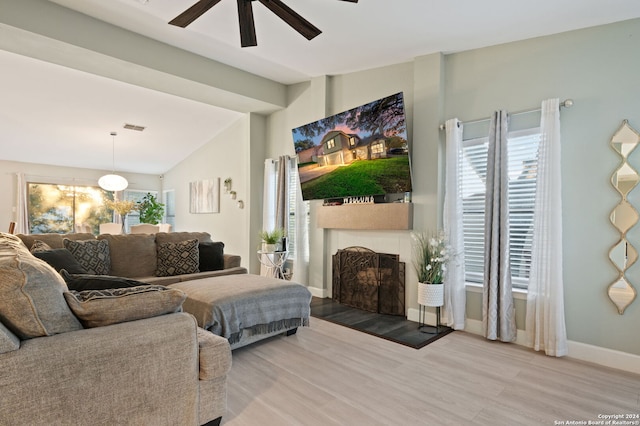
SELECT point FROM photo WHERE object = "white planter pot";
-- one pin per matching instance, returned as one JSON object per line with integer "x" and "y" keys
{"x": 268, "y": 248}
{"x": 431, "y": 294}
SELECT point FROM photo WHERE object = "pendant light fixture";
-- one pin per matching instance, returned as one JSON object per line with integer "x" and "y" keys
{"x": 113, "y": 182}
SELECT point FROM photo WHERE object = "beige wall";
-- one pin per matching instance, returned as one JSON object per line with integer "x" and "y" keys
{"x": 225, "y": 156}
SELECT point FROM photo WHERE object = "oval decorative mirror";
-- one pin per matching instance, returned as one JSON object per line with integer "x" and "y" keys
{"x": 624, "y": 216}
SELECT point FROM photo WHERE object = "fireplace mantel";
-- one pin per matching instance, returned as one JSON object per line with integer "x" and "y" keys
{"x": 383, "y": 216}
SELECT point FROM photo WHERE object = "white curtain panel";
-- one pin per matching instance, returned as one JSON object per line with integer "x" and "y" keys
{"x": 269, "y": 195}
{"x": 269, "y": 201}
{"x": 498, "y": 313}
{"x": 301, "y": 245}
{"x": 455, "y": 295}
{"x": 545, "y": 323}
{"x": 22, "y": 220}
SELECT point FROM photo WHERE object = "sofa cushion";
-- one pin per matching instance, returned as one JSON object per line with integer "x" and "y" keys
{"x": 60, "y": 259}
{"x": 176, "y": 237}
{"x": 211, "y": 256}
{"x": 97, "y": 308}
{"x": 54, "y": 240}
{"x": 80, "y": 282}
{"x": 132, "y": 255}
{"x": 93, "y": 255}
{"x": 8, "y": 341}
{"x": 31, "y": 294}
{"x": 177, "y": 258}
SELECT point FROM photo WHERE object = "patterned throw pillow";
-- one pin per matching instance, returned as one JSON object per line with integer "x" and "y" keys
{"x": 39, "y": 246}
{"x": 98, "y": 308}
{"x": 178, "y": 258}
{"x": 93, "y": 255}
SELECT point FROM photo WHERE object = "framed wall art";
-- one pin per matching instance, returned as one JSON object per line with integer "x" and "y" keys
{"x": 204, "y": 196}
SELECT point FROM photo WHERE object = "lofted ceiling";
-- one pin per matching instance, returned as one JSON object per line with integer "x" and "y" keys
{"x": 62, "y": 116}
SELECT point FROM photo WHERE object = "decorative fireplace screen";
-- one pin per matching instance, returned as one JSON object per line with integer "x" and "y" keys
{"x": 368, "y": 280}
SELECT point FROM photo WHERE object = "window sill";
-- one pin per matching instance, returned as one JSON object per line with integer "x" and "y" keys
{"x": 518, "y": 293}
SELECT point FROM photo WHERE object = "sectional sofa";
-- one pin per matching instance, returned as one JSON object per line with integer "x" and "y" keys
{"x": 157, "y": 367}
{"x": 224, "y": 299}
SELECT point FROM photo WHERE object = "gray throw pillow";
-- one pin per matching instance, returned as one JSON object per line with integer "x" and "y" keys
{"x": 97, "y": 308}
{"x": 178, "y": 258}
{"x": 8, "y": 341}
{"x": 93, "y": 255}
{"x": 31, "y": 300}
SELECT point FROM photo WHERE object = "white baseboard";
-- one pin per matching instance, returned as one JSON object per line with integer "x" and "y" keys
{"x": 581, "y": 351}
{"x": 318, "y": 292}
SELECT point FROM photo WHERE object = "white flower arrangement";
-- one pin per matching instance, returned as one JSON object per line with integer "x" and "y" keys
{"x": 432, "y": 253}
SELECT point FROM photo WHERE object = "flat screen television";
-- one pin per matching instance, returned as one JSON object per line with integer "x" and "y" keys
{"x": 362, "y": 152}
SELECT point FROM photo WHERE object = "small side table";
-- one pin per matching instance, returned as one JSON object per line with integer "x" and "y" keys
{"x": 429, "y": 329}
{"x": 274, "y": 262}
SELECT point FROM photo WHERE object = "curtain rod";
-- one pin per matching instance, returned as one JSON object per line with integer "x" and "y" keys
{"x": 568, "y": 103}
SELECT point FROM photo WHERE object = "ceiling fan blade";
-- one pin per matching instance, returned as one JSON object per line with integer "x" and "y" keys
{"x": 247, "y": 24}
{"x": 296, "y": 21}
{"x": 193, "y": 13}
{"x": 352, "y": 1}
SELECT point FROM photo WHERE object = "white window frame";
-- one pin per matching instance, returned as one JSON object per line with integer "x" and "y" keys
{"x": 518, "y": 145}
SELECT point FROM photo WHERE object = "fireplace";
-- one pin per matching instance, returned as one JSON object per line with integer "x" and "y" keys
{"x": 368, "y": 280}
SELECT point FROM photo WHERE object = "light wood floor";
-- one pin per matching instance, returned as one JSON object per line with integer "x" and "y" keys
{"x": 331, "y": 375}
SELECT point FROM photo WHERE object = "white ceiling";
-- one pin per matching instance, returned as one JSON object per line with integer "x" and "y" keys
{"x": 62, "y": 116}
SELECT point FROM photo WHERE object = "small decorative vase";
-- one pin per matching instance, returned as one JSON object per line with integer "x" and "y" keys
{"x": 431, "y": 294}
{"x": 124, "y": 223}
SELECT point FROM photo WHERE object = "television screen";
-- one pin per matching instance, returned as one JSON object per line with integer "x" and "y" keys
{"x": 361, "y": 152}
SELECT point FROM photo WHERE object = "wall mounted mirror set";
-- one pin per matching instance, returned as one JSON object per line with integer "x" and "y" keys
{"x": 624, "y": 216}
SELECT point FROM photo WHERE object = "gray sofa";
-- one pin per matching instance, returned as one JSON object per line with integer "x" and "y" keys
{"x": 135, "y": 255}
{"x": 160, "y": 370}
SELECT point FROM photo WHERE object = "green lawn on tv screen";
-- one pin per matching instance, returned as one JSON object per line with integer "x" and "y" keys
{"x": 361, "y": 178}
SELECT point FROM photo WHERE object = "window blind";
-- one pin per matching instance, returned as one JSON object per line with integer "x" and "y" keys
{"x": 522, "y": 150}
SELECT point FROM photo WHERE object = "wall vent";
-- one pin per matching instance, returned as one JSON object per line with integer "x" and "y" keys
{"x": 134, "y": 127}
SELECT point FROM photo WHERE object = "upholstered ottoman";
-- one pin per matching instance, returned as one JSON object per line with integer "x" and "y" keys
{"x": 245, "y": 308}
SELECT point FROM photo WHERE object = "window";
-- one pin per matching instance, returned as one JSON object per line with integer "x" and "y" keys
{"x": 331, "y": 143}
{"x": 56, "y": 208}
{"x": 377, "y": 148}
{"x": 170, "y": 208}
{"x": 523, "y": 160}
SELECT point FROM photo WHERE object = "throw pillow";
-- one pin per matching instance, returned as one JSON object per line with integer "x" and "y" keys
{"x": 39, "y": 245}
{"x": 80, "y": 282}
{"x": 60, "y": 259}
{"x": 211, "y": 256}
{"x": 31, "y": 300}
{"x": 93, "y": 255}
{"x": 8, "y": 341}
{"x": 178, "y": 258}
{"x": 97, "y": 308}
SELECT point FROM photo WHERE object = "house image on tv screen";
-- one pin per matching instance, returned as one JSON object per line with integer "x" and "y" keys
{"x": 359, "y": 152}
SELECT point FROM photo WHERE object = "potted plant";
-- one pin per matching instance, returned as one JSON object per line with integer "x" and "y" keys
{"x": 151, "y": 211}
{"x": 270, "y": 239}
{"x": 430, "y": 262}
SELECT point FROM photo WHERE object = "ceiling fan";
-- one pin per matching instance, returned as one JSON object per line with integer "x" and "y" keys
{"x": 245, "y": 16}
